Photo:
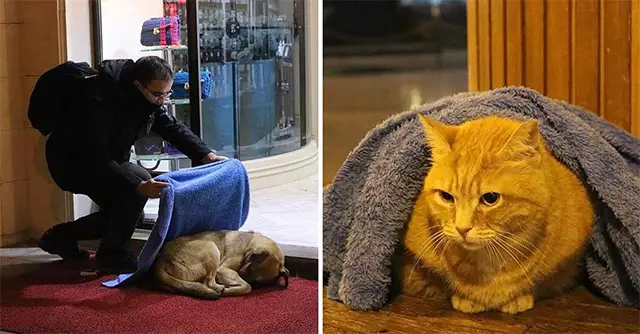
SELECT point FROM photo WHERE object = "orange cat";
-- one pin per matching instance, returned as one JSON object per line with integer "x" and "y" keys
{"x": 499, "y": 219}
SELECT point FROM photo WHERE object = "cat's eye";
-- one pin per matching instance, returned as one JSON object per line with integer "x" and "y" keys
{"x": 490, "y": 198}
{"x": 446, "y": 196}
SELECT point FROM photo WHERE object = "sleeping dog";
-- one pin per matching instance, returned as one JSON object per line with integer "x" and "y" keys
{"x": 213, "y": 264}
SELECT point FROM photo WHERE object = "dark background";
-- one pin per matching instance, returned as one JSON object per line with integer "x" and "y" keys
{"x": 359, "y": 27}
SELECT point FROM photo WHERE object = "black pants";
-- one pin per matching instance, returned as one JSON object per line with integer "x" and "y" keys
{"x": 120, "y": 206}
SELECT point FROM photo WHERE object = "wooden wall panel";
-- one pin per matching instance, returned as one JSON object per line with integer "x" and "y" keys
{"x": 558, "y": 49}
{"x": 472, "y": 45}
{"x": 484, "y": 41}
{"x": 582, "y": 51}
{"x": 498, "y": 43}
{"x": 514, "y": 39}
{"x": 615, "y": 62}
{"x": 635, "y": 68}
{"x": 534, "y": 44}
{"x": 585, "y": 58}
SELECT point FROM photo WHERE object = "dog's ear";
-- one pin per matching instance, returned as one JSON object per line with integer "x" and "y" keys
{"x": 258, "y": 256}
{"x": 253, "y": 257}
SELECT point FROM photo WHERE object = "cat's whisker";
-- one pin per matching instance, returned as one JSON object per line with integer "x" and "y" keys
{"x": 505, "y": 240}
{"x": 485, "y": 251}
{"x": 504, "y": 232}
{"x": 521, "y": 244}
{"x": 428, "y": 233}
{"x": 497, "y": 252}
{"x": 442, "y": 242}
{"x": 443, "y": 239}
{"x": 447, "y": 243}
{"x": 525, "y": 241}
{"x": 520, "y": 252}
{"x": 512, "y": 237}
{"x": 499, "y": 256}
{"x": 502, "y": 243}
{"x": 490, "y": 252}
{"x": 436, "y": 241}
{"x": 427, "y": 245}
{"x": 415, "y": 264}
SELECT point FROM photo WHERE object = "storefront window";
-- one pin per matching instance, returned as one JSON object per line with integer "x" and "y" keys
{"x": 251, "y": 63}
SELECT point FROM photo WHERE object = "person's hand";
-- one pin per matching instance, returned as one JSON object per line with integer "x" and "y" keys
{"x": 212, "y": 157}
{"x": 151, "y": 188}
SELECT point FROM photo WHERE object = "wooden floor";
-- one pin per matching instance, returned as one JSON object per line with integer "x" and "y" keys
{"x": 578, "y": 312}
{"x": 355, "y": 104}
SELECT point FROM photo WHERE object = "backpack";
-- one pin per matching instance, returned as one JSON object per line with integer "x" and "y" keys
{"x": 53, "y": 93}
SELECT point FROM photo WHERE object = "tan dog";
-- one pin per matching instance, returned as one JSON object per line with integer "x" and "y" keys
{"x": 213, "y": 264}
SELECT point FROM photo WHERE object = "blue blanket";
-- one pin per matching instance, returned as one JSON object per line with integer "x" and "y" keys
{"x": 209, "y": 197}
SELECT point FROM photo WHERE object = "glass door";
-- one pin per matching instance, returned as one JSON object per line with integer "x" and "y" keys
{"x": 250, "y": 54}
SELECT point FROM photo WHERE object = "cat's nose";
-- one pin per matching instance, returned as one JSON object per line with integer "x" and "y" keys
{"x": 463, "y": 230}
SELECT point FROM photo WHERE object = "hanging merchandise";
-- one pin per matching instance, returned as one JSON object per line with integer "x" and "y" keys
{"x": 232, "y": 27}
{"x": 284, "y": 49}
{"x": 170, "y": 9}
{"x": 160, "y": 31}
{"x": 181, "y": 85}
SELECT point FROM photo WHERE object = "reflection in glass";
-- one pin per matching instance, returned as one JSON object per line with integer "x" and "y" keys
{"x": 249, "y": 47}
{"x": 250, "y": 69}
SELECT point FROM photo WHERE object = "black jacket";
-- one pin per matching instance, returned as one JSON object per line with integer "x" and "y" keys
{"x": 108, "y": 115}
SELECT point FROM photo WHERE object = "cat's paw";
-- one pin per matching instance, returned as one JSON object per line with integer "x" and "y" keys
{"x": 413, "y": 287}
{"x": 465, "y": 305}
{"x": 423, "y": 290}
{"x": 433, "y": 292}
{"x": 520, "y": 304}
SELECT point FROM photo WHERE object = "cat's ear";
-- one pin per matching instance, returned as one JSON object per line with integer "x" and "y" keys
{"x": 440, "y": 136}
{"x": 525, "y": 140}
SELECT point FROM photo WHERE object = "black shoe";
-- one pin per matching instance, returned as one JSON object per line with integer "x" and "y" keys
{"x": 116, "y": 262}
{"x": 54, "y": 242}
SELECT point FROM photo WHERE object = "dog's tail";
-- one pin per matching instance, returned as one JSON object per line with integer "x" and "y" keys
{"x": 194, "y": 289}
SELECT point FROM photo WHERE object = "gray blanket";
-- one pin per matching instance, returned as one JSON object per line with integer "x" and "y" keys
{"x": 372, "y": 196}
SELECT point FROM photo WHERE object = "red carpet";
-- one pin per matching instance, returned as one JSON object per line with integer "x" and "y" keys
{"x": 55, "y": 299}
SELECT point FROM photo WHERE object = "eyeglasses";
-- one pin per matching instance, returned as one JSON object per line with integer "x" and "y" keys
{"x": 158, "y": 95}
